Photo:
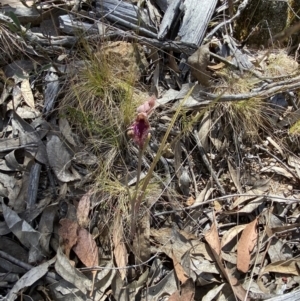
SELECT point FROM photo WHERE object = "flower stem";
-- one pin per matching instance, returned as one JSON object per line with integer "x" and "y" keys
{"x": 134, "y": 202}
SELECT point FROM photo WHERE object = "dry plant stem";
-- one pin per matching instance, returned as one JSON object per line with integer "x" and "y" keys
{"x": 267, "y": 91}
{"x": 191, "y": 170}
{"x": 134, "y": 203}
{"x": 276, "y": 199}
{"x": 206, "y": 162}
{"x": 52, "y": 276}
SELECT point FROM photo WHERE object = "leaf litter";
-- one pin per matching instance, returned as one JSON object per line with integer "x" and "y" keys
{"x": 214, "y": 203}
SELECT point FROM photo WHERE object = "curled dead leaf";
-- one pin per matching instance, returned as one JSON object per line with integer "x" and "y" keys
{"x": 68, "y": 233}
{"x": 83, "y": 210}
{"x": 86, "y": 248}
{"x": 120, "y": 251}
{"x": 245, "y": 246}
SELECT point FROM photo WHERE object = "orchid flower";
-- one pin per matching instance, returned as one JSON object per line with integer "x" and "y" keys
{"x": 140, "y": 129}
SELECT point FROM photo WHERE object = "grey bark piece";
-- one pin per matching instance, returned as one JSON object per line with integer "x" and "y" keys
{"x": 51, "y": 91}
{"x": 170, "y": 15}
{"x": 127, "y": 15}
{"x": 163, "y": 4}
{"x": 69, "y": 26}
{"x": 34, "y": 179}
{"x": 197, "y": 15}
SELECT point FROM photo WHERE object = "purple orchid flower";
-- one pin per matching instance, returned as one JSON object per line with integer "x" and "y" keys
{"x": 139, "y": 130}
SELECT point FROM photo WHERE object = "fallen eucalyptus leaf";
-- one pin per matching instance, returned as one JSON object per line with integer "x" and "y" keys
{"x": 29, "y": 278}
{"x": 245, "y": 246}
{"x": 60, "y": 159}
{"x": 64, "y": 268}
{"x": 27, "y": 93}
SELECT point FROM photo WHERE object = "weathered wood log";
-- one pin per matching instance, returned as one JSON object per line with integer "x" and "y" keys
{"x": 126, "y": 15}
{"x": 33, "y": 15}
{"x": 163, "y": 4}
{"x": 197, "y": 15}
{"x": 170, "y": 16}
{"x": 68, "y": 26}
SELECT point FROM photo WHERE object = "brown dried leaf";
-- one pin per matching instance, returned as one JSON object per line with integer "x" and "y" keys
{"x": 216, "y": 67}
{"x": 83, "y": 210}
{"x": 175, "y": 296}
{"x": 246, "y": 245}
{"x": 252, "y": 205}
{"x": 190, "y": 201}
{"x": 212, "y": 238}
{"x": 120, "y": 251}
{"x": 260, "y": 190}
{"x": 179, "y": 269}
{"x": 86, "y": 248}
{"x": 235, "y": 176}
{"x": 231, "y": 233}
{"x": 68, "y": 232}
{"x": 236, "y": 287}
{"x": 283, "y": 267}
{"x": 276, "y": 146}
{"x": 202, "y": 195}
{"x": 187, "y": 292}
{"x": 204, "y": 130}
{"x": 278, "y": 170}
{"x": 27, "y": 93}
